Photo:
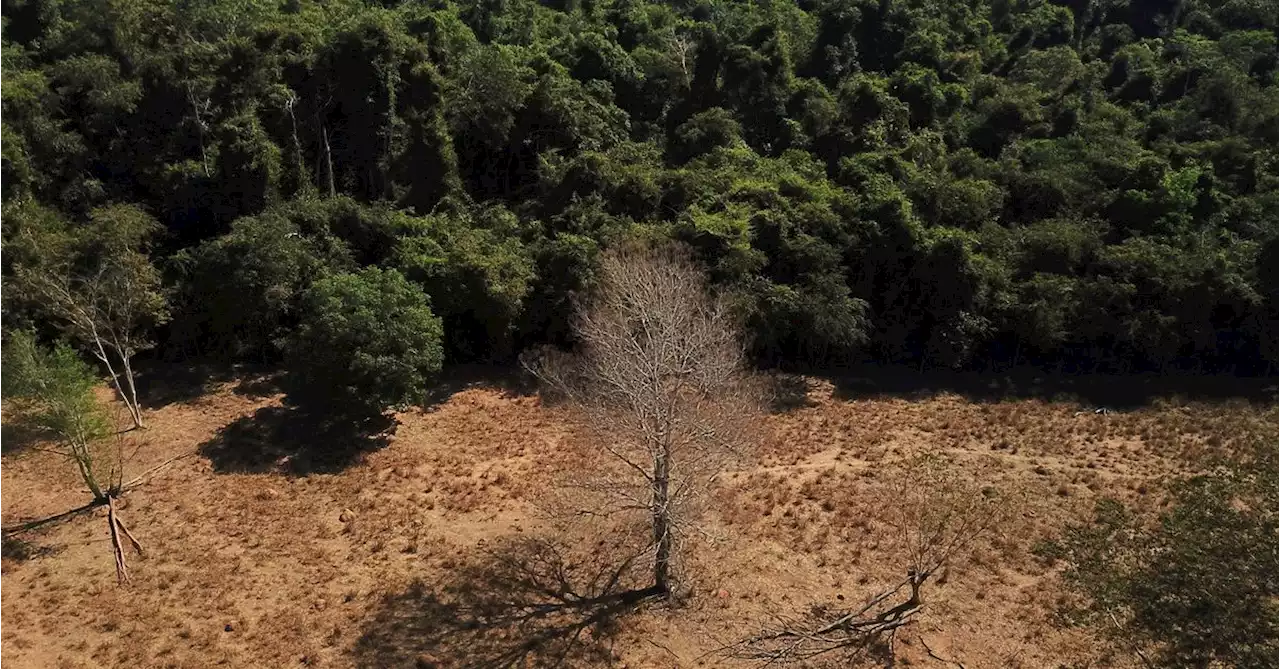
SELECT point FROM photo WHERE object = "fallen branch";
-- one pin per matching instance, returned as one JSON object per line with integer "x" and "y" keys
{"x": 129, "y": 535}
{"x": 133, "y": 483}
{"x": 117, "y": 529}
{"x": 142, "y": 478}
{"x": 854, "y": 631}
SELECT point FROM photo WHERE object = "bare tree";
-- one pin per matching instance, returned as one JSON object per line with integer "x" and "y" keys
{"x": 936, "y": 516}
{"x": 106, "y": 296}
{"x": 684, "y": 49}
{"x": 660, "y": 382}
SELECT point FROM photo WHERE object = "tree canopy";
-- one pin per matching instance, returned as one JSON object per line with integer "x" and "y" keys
{"x": 368, "y": 342}
{"x": 1081, "y": 186}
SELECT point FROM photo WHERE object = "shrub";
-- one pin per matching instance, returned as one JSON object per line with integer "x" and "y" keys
{"x": 367, "y": 342}
{"x": 1196, "y": 589}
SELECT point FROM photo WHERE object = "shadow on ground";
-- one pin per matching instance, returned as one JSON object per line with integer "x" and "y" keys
{"x": 17, "y": 436}
{"x": 161, "y": 383}
{"x": 524, "y": 603}
{"x": 293, "y": 441}
{"x": 788, "y": 392}
{"x": 1112, "y": 391}
{"x": 508, "y": 379}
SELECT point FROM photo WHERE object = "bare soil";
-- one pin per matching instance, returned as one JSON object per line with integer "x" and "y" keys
{"x": 414, "y": 549}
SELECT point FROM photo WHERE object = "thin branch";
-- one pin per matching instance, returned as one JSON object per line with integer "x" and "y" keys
{"x": 143, "y": 477}
{"x": 936, "y": 656}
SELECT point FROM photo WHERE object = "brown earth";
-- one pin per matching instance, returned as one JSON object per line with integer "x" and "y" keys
{"x": 258, "y": 555}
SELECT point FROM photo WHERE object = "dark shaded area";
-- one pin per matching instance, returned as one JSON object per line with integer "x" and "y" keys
{"x": 294, "y": 442}
{"x": 1098, "y": 390}
{"x": 18, "y": 550}
{"x": 161, "y": 383}
{"x": 259, "y": 385}
{"x": 508, "y": 379}
{"x": 14, "y": 438}
{"x": 525, "y": 603}
{"x": 788, "y": 393}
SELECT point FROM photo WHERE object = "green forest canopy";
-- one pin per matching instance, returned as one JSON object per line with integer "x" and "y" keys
{"x": 1088, "y": 185}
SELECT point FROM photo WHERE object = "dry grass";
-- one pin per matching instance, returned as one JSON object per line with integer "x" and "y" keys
{"x": 274, "y": 569}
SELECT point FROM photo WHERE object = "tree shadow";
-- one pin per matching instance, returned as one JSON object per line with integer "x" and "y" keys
{"x": 259, "y": 385}
{"x": 526, "y": 602}
{"x": 788, "y": 392}
{"x": 1112, "y": 391}
{"x": 16, "y": 435}
{"x": 295, "y": 442}
{"x": 456, "y": 378}
{"x": 161, "y": 383}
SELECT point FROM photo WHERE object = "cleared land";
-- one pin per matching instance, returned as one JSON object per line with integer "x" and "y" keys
{"x": 259, "y": 555}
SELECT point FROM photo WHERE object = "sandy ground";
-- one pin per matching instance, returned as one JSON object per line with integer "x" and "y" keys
{"x": 258, "y": 555}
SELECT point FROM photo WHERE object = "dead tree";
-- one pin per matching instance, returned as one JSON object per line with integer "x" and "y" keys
{"x": 660, "y": 382}
{"x": 936, "y": 516}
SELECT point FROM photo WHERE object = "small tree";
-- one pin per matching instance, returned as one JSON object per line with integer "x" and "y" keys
{"x": 936, "y": 515}
{"x": 660, "y": 381}
{"x": 1199, "y": 588}
{"x": 100, "y": 285}
{"x": 53, "y": 389}
{"x": 367, "y": 342}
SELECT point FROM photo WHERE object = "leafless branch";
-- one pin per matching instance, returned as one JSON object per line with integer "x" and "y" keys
{"x": 937, "y": 516}
{"x": 660, "y": 382}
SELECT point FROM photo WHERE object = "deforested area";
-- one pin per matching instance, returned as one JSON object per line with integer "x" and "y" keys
{"x": 615, "y": 333}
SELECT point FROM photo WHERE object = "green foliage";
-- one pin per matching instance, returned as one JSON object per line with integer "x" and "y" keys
{"x": 931, "y": 182}
{"x": 95, "y": 281}
{"x": 243, "y": 290}
{"x": 477, "y": 273}
{"x": 1196, "y": 589}
{"x": 53, "y": 390}
{"x": 366, "y": 342}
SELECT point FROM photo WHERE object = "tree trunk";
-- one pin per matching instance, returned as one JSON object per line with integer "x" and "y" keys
{"x": 328, "y": 157}
{"x": 662, "y": 522}
{"x": 195, "y": 110}
{"x": 83, "y": 462}
{"x": 101, "y": 353}
{"x": 135, "y": 409}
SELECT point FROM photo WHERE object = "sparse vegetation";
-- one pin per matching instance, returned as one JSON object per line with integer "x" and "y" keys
{"x": 936, "y": 515}
{"x": 97, "y": 283}
{"x": 807, "y": 524}
{"x": 53, "y": 390}
{"x": 1198, "y": 587}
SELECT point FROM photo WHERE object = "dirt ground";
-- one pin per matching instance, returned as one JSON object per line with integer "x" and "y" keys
{"x": 417, "y": 552}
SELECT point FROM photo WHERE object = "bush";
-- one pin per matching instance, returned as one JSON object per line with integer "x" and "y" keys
{"x": 367, "y": 342}
{"x": 1197, "y": 589}
{"x": 242, "y": 290}
{"x": 53, "y": 391}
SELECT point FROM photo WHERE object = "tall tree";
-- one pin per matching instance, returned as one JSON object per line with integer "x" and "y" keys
{"x": 660, "y": 379}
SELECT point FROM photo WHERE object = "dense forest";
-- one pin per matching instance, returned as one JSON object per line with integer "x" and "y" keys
{"x": 1084, "y": 186}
